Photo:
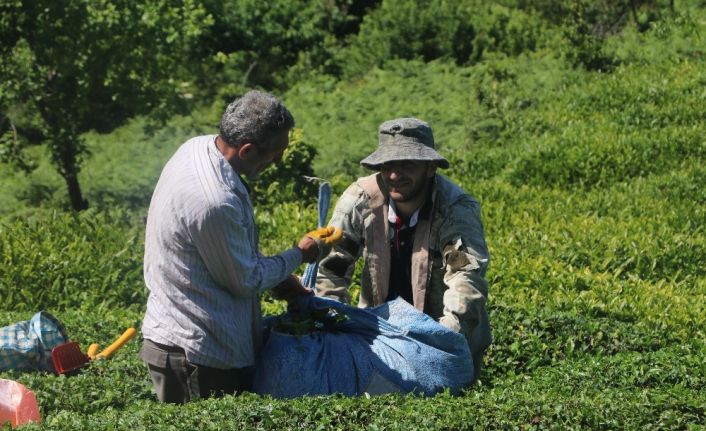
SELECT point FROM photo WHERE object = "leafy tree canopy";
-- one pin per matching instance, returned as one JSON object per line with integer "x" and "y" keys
{"x": 69, "y": 66}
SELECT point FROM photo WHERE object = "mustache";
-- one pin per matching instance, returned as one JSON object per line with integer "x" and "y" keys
{"x": 399, "y": 181}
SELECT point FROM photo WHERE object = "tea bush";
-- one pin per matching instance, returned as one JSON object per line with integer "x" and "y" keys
{"x": 59, "y": 260}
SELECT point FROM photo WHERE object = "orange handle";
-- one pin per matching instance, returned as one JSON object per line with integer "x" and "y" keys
{"x": 92, "y": 350}
{"x": 120, "y": 342}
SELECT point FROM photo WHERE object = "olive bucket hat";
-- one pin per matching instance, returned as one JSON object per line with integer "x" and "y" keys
{"x": 404, "y": 139}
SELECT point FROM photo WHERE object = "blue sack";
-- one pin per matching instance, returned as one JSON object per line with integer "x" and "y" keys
{"x": 392, "y": 348}
{"x": 27, "y": 345}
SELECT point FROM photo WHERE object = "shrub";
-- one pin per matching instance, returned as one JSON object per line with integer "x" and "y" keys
{"x": 254, "y": 43}
{"x": 290, "y": 180}
{"x": 61, "y": 261}
{"x": 461, "y": 32}
{"x": 409, "y": 30}
{"x": 585, "y": 48}
{"x": 621, "y": 126}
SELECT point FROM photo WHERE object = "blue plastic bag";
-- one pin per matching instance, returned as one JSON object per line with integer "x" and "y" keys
{"x": 387, "y": 349}
{"x": 27, "y": 345}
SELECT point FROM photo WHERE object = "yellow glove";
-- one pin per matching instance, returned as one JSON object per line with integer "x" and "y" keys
{"x": 325, "y": 238}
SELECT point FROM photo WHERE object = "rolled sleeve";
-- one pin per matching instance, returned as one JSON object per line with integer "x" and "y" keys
{"x": 465, "y": 256}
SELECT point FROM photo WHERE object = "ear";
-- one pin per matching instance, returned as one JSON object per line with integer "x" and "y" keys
{"x": 431, "y": 169}
{"x": 245, "y": 151}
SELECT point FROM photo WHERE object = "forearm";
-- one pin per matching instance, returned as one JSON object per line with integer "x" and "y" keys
{"x": 464, "y": 300}
{"x": 268, "y": 271}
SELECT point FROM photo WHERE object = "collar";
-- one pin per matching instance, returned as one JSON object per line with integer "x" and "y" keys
{"x": 230, "y": 177}
{"x": 392, "y": 215}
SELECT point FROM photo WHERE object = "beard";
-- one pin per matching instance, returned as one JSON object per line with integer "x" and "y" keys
{"x": 407, "y": 194}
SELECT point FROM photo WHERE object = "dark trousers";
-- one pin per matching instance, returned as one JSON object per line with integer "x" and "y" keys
{"x": 177, "y": 380}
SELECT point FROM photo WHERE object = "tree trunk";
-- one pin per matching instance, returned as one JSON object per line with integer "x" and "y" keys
{"x": 633, "y": 7}
{"x": 78, "y": 203}
{"x": 64, "y": 154}
{"x": 66, "y": 148}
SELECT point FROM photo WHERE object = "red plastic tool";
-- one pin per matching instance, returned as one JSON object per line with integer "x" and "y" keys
{"x": 68, "y": 357}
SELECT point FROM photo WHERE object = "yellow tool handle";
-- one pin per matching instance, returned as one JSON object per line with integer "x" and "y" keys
{"x": 127, "y": 335}
{"x": 92, "y": 350}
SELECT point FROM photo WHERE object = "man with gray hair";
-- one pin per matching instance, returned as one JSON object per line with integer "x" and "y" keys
{"x": 202, "y": 264}
{"x": 420, "y": 236}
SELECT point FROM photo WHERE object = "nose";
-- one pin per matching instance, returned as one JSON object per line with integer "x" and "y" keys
{"x": 392, "y": 172}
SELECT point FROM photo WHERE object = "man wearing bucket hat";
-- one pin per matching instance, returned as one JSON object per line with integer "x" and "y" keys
{"x": 420, "y": 235}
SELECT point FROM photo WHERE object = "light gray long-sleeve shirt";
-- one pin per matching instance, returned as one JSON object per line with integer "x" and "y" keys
{"x": 202, "y": 266}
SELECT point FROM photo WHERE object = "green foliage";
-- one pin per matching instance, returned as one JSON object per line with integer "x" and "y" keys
{"x": 55, "y": 76}
{"x": 290, "y": 180}
{"x": 505, "y": 30}
{"x": 64, "y": 261}
{"x": 124, "y": 165}
{"x": 410, "y": 30}
{"x": 280, "y": 226}
{"x": 603, "y": 16}
{"x": 12, "y": 153}
{"x": 585, "y": 48}
{"x": 458, "y": 31}
{"x": 341, "y": 119}
{"x": 300, "y": 324}
{"x": 630, "y": 124}
{"x": 255, "y": 43}
{"x": 598, "y": 392}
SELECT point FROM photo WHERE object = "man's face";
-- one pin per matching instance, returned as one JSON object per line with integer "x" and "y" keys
{"x": 270, "y": 154}
{"x": 406, "y": 180}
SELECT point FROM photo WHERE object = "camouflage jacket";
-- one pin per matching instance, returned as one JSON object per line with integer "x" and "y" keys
{"x": 449, "y": 257}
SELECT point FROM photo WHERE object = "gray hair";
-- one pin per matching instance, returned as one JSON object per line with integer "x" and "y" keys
{"x": 255, "y": 118}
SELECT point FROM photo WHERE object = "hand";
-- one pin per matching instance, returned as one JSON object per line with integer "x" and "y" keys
{"x": 316, "y": 244}
{"x": 289, "y": 289}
